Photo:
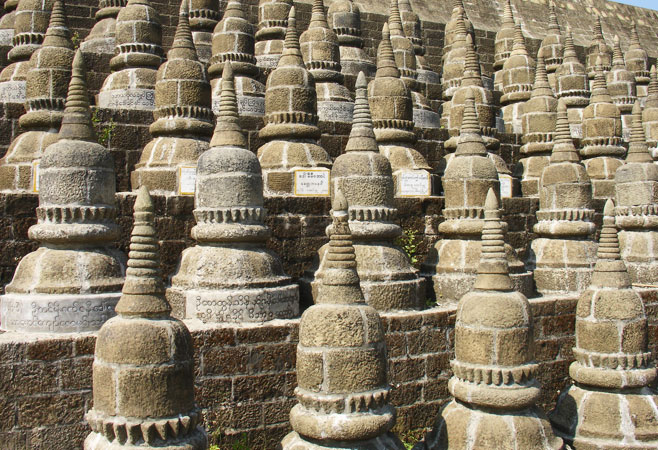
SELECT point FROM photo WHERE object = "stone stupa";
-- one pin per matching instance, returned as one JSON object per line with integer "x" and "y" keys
{"x": 564, "y": 250}
{"x": 138, "y": 54}
{"x": 517, "y": 77}
{"x": 451, "y": 265}
{"x": 229, "y": 276}
{"x": 495, "y": 374}
{"x": 203, "y": 16}
{"x": 392, "y": 113}
{"x": 636, "y": 214}
{"x": 363, "y": 175}
{"x": 7, "y": 22}
{"x": 345, "y": 19}
{"x": 650, "y": 114}
{"x": 552, "y": 46}
{"x": 452, "y": 29}
{"x": 46, "y": 89}
{"x": 637, "y": 61}
{"x": 233, "y": 40}
{"x": 602, "y": 149}
{"x": 572, "y": 86}
{"x": 538, "y": 125}
{"x": 503, "y": 44}
{"x": 72, "y": 282}
{"x": 143, "y": 371}
{"x": 612, "y": 404}
{"x": 454, "y": 61}
{"x": 272, "y": 25}
{"x": 183, "y": 119}
{"x": 101, "y": 40}
{"x": 598, "y": 48}
{"x": 342, "y": 386}
{"x": 291, "y": 132}
{"x": 622, "y": 88}
{"x": 31, "y": 20}
{"x": 321, "y": 53}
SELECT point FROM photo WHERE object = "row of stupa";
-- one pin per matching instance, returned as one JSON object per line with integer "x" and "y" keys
{"x": 231, "y": 277}
{"x": 306, "y": 85}
{"x": 143, "y": 372}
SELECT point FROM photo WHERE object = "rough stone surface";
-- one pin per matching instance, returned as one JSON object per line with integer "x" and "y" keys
{"x": 612, "y": 404}
{"x": 183, "y": 118}
{"x": 72, "y": 282}
{"x": 272, "y": 24}
{"x": 516, "y": 78}
{"x": 229, "y": 276}
{"x": 143, "y": 370}
{"x": 345, "y": 19}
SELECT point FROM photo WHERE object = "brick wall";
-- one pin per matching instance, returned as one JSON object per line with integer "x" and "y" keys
{"x": 245, "y": 375}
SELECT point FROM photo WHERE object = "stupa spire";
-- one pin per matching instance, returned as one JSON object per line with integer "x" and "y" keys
{"x": 76, "y": 123}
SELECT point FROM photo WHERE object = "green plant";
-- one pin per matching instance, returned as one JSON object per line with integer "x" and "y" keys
{"x": 104, "y": 132}
{"x": 409, "y": 243}
{"x": 240, "y": 444}
{"x": 75, "y": 40}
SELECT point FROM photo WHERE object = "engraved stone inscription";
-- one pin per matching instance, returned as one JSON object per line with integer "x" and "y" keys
{"x": 247, "y": 105}
{"x": 576, "y": 130}
{"x": 127, "y": 99}
{"x": 56, "y": 313}
{"x": 335, "y": 111}
{"x": 12, "y": 92}
{"x": 5, "y": 36}
{"x": 414, "y": 183}
{"x": 267, "y": 61}
{"x": 426, "y": 119}
{"x": 251, "y": 305}
{"x": 312, "y": 182}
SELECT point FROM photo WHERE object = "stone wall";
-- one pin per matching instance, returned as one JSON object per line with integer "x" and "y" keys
{"x": 245, "y": 375}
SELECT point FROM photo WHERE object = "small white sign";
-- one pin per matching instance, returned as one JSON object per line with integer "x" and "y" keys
{"x": 312, "y": 182}
{"x": 505, "y": 185}
{"x": 35, "y": 176}
{"x": 414, "y": 184}
{"x": 186, "y": 180}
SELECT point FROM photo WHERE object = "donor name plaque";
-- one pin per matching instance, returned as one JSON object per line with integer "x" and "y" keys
{"x": 12, "y": 92}
{"x": 330, "y": 111}
{"x": 127, "y": 99}
{"x": 312, "y": 182}
{"x": 245, "y": 305}
{"x": 186, "y": 180}
{"x": 50, "y": 313}
{"x": 414, "y": 183}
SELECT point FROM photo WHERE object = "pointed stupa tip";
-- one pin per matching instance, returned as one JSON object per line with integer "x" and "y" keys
{"x": 470, "y": 140}
{"x": 610, "y": 270}
{"x": 519, "y": 39}
{"x": 472, "y": 63}
{"x": 599, "y": 86}
{"x": 638, "y": 149}
{"x": 553, "y": 24}
{"x": 541, "y": 86}
{"x": 143, "y": 291}
{"x": 460, "y": 29}
{"x": 362, "y": 136}
{"x": 339, "y": 203}
{"x": 470, "y": 122}
{"x": 228, "y": 132}
{"x": 318, "y": 15}
{"x": 183, "y": 45}
{"x": 569, "y": 46}
{"x": 292, "y": 54}
{"x": 508, "y": 13}
{"x": 617, "y": 55}
{"x": 493, "y": 270}
{"x": 58, "y": 34}
{"x": 234, "y": 9}
{"x": 635, "y": 37}
{"x": 386, "y": 66}
{"x": 76, "y": 123}
{"x": 394, "y": 19}
{"x": 653, "y": 82}
{"x": 563, "y": 148}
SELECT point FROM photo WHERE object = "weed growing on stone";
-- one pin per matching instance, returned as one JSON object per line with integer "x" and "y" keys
{"x": 409, "y": 243}
{"x": 104, "y": 131}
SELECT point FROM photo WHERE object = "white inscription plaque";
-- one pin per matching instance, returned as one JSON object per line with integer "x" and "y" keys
{"x": 414, "y": 183}
{"x": 312, "y": 182}
{"x": 186, "y": 180}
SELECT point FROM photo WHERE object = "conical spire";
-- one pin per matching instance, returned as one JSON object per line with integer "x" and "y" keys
{"x": 386, "y": 66}
{"x": 183, "y": 45}
{"x": 600, "y": 92}
{"x": 617, "y": 55}
{"x": 472, "y": 73}
{"x": 292, "y": 55}
{"x": 395, "y": 20}
{"x": 508, "y": 14}
{"x": 318, "y": 16}
{"x": 519, "y": 41}
{"x": 362, "y": 136}
{"x": 653, "y": 86}
{"x": 76, "y": 124}
{"x": 470, "y": 140}
{"x": 638, "y": 150}
{"x": 635, "y": 38}
{"x": 143, "y": 290}
{"x": 541, "y": 88}
{"x": 598, "y": 30}
{"x": 58, "y": 34}
{"x": 610, "y": 270}
{"x": 493, "y": 271}
{"x": 340, "y": 283}
{"x": 228, "y": 131}
{"x": 460, "y": 29}
{"x": 563, "y": 148}
{"x": 569, "y": 48}
{"x": 553, "y": 24}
